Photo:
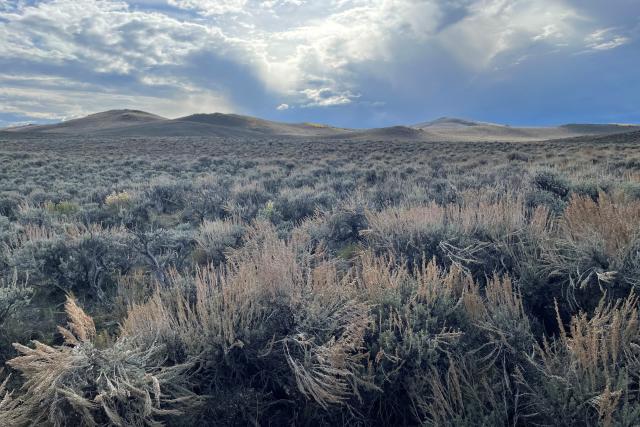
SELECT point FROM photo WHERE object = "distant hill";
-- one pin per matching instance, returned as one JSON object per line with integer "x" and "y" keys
{"x": 112, "y": 119}
{"x": 448, "y": 129}
{"x": 387, "y": 133}
{"x": 451, "y": 122}
{"x": 125, "y": 123}
{"x": 139, "y": 123}
{"x": 255, "y": 125}
{"x": 600, "y": 129}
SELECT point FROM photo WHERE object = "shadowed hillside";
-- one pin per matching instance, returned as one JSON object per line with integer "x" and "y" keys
{"x": 122, "y": 123}
{"x": 107, "y": 120}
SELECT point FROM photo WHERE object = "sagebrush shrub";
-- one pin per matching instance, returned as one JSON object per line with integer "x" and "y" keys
{"x": 12, "y": 296}
{"x": 65, "y": 208}
{"x": 595, "y": 250}
{"x": 118, "y": 200}
{"x": 82, "y": 261}
{"x": 588, "y": 374}
{"x": 542, "y": 198}
{"x": 269, "y": 324}
{"x": 553, "y": 182}
{"x": 296, "y": 205}
{"x": 215, "y": 238}
{"x": 10, "y": 204}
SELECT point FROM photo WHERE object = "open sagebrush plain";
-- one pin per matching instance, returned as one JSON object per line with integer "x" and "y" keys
{"x": 292, "y": 281}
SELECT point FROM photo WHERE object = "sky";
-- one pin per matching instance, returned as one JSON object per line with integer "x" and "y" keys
{"x": 351, "y": 63}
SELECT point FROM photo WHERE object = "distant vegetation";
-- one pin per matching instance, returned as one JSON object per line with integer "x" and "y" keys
{"x": 208, "y": 281}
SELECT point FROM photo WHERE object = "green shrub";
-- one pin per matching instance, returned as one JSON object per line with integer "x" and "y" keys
{"x": 385, "y": 193}
{"x": 552, "y": 182}
{"x": 588, "y": 375}
{"x": 85, "y": 264}
{"x": 341, "y": 228}
{"x": 64, "y": 208}
{"x": 159, "y": 249}
{"x": 10, "y": 204}
{"x": 591, "y": 189}
{"x": 14, "y": 296}
{"x": 517, "y": 157}
{"x": 296, "y": 205}
{"x": 443, "y": 191}
{"x": 166, "y": 196}
{"x": 631, "y": 189}
{"x": 207, "y": 200}
{"x": 118, "y": 200}
{"x": 551, "y": 201}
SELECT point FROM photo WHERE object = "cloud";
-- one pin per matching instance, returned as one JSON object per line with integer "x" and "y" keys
{"x": 60, "y": 99}
{"x": 99, "y": 54}
{"x": 211, "y": 7}
{"x": 326, "y": 97}
{"x": 495, "y": 27}
{"x": 605, "y": 39}
{"x": 108, "y": 34}
{"x": 548, "y": 31}
{"x": 179, "y": 56}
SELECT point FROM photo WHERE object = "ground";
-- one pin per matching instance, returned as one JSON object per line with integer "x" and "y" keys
{"x": 307, "y": 281}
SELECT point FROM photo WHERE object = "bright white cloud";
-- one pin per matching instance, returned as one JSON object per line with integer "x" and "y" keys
{"x": 308, "y": 56}
{"x": 548, "y": 31}
{"x": 326, "y": 97}
{"x": 605, "y": 39}
{"x": 494, "y": 27}
{"x": 211, "y": 7}
{"x": 108, "y": 34}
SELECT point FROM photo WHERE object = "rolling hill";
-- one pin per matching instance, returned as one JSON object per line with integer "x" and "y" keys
{"x": 120, "y": 123}
{"x": 129, "y": 123}
{"x": 447, "y": 129}
{"x": 112, "y": 119}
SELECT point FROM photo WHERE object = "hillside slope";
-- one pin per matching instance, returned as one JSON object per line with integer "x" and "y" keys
{"x": 450, "y": 129}
{"x": 129, "y": 123}
{"x": 112, "y": 119}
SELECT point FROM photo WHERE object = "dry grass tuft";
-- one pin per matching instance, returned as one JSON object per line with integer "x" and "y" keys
{"x": 8, "y": 404}
{"x": 81, "y": 326}
{"x": 596, "y": 361}
{"x": 79, "y": 384}
{"x": 613, "y": 219}
{"x": 497, "y": 218}
{"x": 330, "y": 372}
{"x": 465, "y": 396}
{"x": 594, "y": 249}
